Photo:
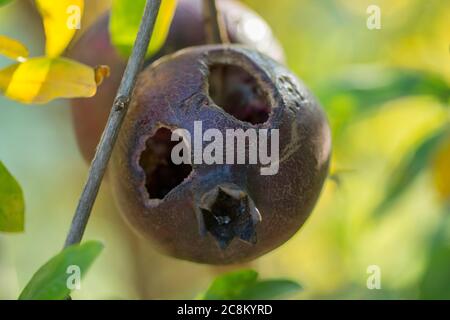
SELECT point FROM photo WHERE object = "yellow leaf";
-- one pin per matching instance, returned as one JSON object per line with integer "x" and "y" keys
{"x": 13, "y": 49}
{"x": 162, "y": 25}
{"x": 62, "y": 18}
{"x": 441, "y": 171}
{"x": 39, "y": 80}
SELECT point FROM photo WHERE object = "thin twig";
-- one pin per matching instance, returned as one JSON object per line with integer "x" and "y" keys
{"x": 214, "y": 24}
{"x": 115, "y": 120}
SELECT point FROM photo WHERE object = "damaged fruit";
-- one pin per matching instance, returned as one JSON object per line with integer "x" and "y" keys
{"x": 219, "y": 213}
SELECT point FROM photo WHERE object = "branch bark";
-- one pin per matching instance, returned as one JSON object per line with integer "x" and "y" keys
{"x": 115, "y": 120}
{"x": 214, "y": 24}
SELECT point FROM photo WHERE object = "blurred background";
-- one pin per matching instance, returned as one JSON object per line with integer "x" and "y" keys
{"x": 386, "y": 93}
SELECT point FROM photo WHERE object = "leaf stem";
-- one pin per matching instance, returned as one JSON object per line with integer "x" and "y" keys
{"x": 214, "y": 24}
{"x": 115, "y": 120}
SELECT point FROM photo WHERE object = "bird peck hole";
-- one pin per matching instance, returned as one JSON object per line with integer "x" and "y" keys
{"x": 161, "y": 174}
{"x": 238, "y": 93}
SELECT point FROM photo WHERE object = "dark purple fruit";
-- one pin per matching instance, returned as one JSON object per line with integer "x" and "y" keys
{"x": 94, "y": 48}
{"x": 219, "y": 213}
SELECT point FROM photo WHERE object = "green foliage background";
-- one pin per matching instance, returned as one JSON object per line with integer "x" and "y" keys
{"x": 385, "y": 91}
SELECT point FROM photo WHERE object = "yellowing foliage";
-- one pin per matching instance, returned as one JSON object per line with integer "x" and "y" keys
{"x": 61, "y": 20}
{"x": 39, "y": 80}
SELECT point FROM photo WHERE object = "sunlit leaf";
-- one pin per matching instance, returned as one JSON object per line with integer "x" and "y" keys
{"x": 12, "y": 205}
{"x": 3, "y": 2}
{"x": 126, "y": 18}
{"x": 231, "y": 285}
{"x": 244, "y": 285}
{"x": 13, "y": 49}
{"x": 50, "y": 282}
{"x": 39, "y": 80}
{"x": 409, "y": 168}
{"x": 61, "y": 18}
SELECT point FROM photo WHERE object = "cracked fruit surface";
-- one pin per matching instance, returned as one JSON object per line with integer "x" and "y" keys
{"x": 219, "y": 213}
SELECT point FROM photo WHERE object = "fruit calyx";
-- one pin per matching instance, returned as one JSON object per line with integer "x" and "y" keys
{"x": 228, "y": 212}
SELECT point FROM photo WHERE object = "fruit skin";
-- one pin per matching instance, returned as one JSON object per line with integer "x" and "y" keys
{"x": 94, "y": 48}
{"x": 173, "y": 93}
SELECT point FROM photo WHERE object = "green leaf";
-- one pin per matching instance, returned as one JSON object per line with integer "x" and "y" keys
{"x": 371, "y": 86}
{"x": 361, "y": 89}
{"x": 50, "y": 281}
{"x": 12, "y": 206}
{"x": 409, "y": 168}
{"x": 436, "y": 277}
{"x": 5, "y": 2}
{"x": 244, "y": 285}
{"x": 270, "y": 289}
{"x": 230, "y": 285}
{"x": 125, "y": 20}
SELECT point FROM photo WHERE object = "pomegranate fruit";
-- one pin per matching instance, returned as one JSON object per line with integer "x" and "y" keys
{"x": 94, "y": 48}
{"x": 219, "y": 213}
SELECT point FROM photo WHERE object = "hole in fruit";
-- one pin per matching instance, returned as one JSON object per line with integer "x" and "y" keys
{"x": 229, "y": 215}
{"x": 238, "y": 93}
{"x": 161, "y": 174}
